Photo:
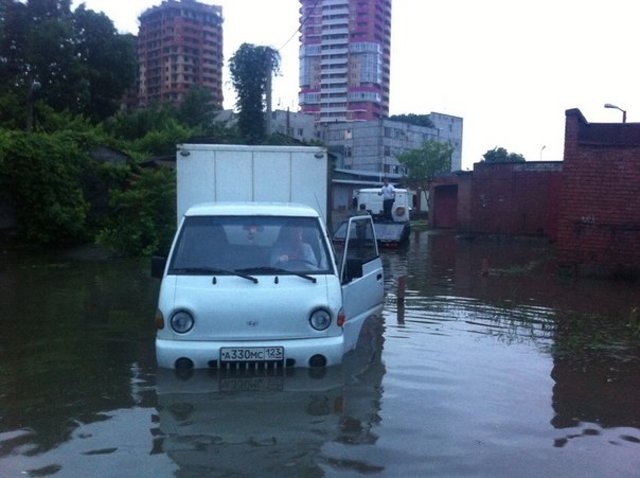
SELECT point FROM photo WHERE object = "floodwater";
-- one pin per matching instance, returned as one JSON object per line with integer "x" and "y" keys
{"x": 486, "y": 363}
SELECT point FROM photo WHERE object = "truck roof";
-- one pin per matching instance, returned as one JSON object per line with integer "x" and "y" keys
{"x": 251, "y": 209}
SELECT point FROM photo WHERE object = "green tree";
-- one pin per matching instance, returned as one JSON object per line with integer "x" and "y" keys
{"x": 42, "y": 173}
{"x": 108, "y": 59}
{"x": 162, "y": 141}
{"x": 143, "y": 216}
{"x": 11, "y": 111}
{"x": 418, "y": 120}
{"x": 251, "y": 69}
{"x": 130, "y": 126}
{"x": 423, "y": 164}
{"x": 501, "y": 155}
{"x": 197, "y": 108}
{"x": 68, "y": 61}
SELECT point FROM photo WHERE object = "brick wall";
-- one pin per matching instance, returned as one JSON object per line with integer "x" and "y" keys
{"x": 515, "y": 198}
{"x": 599, "y": 219}
{"x": 450, "y": 200}
{"x": 505, "y": 198}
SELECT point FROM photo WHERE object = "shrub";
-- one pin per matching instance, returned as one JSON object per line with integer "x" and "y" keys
{"x": 143, "y": 217}
{"x": 42, "y": 175}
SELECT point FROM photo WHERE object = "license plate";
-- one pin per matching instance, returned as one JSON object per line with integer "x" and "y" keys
{"x": 251, "y": 354}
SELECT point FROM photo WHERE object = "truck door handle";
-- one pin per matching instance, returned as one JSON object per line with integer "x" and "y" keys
{"x": 379, "y": 277}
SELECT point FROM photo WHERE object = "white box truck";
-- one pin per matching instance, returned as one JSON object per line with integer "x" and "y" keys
{"x": 252, "y": 279}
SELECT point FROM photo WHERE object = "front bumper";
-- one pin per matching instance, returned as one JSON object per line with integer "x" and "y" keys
{"x": 206, "y": 354}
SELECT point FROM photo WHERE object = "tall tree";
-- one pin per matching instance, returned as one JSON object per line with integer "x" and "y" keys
{"x": 423, "y": 164}
{"x": 108, "y": 59}
{"x": 67, "y": 60}
{"x": 501, "y": 155}
{"x": 197, "y": 108}
{"x": 251, "y": 69}
{"x": 37, "y": 51}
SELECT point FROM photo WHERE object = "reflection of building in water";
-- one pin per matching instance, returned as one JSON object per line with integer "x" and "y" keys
{"x": 601, "y": 392}
{"x": 266, "y": 424}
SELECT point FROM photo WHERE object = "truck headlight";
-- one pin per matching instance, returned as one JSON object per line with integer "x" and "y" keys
{"x": 320, "y": 319}
{"x": 182, "y": 322}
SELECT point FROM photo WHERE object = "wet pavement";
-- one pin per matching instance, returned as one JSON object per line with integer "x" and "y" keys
{"x": 486, "y": 363}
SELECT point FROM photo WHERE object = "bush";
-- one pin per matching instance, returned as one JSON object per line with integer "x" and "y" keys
{"x": 42, "y": 175}
{"x": 143, "y": 217}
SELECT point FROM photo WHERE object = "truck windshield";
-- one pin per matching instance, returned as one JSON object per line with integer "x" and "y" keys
{"x": 259, "y": 244}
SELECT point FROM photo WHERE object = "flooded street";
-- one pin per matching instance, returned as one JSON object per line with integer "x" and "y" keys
{"x": 486, "y": 364}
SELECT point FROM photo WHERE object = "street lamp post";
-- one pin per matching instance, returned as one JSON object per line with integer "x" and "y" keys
{"x": 624, "y": 113}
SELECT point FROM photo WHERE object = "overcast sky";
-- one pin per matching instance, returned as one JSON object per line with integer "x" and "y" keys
{"x": 509, "y": 68}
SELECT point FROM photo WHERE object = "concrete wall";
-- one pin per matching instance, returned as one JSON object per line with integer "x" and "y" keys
{"x": 599, "y": 220}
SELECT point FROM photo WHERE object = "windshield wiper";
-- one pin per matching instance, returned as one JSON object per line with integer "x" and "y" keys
{"x": 212, "y": 271}
{"x": 278, "y": 270}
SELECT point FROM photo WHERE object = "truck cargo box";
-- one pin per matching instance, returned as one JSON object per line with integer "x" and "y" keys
{"x": 219, "y": 172}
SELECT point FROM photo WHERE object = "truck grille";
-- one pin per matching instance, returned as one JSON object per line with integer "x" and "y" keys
{"x": 252, "y": 366}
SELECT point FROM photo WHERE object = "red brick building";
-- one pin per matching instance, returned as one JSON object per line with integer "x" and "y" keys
{"x": 599, "y": 222}
{"x": 450, "y": 204}
{"x": 179, "y": 46}
{"x": 589, "y": 204}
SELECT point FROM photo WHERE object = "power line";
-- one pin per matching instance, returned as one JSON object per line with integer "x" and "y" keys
{"x": 304, "y": 20}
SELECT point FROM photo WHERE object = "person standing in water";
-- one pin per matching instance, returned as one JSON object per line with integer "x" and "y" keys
{"x": 388, "y": 193}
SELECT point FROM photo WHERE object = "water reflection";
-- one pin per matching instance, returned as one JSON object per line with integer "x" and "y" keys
{"x": 474, "y": 372}
{"x": 587, "y": 327}
{"x": 603, "y": 392}
{"x": 266, "y": 424}
{"x": 71, "y": 332}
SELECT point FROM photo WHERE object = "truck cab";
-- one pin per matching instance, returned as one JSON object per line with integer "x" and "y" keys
{"x": 258, "y": 285}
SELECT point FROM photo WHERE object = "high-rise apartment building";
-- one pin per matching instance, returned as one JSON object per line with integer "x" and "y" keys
{"x": 344, "y": 59}
{"x": 179, "y": 47}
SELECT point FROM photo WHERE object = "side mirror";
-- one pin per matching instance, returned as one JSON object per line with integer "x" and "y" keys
{"x": 353, "y": 270}
{"x": 158, "y": 263}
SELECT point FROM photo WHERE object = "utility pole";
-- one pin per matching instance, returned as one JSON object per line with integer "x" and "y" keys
{"x": 268, "y": 94}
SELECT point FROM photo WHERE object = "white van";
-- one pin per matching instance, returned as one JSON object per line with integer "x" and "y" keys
{"x": 231, "y": 297}
{"x": 254, "y": 283}
{"x": 258, "y": 284}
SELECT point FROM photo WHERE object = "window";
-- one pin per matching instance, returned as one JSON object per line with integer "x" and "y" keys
{"x": 251, "y": 245}
{"x": 362, "y": 246}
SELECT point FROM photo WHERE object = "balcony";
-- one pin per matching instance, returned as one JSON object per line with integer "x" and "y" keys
{"x": 335, "y": 62}
{"x": 328, "y": 83}
{"x": 342, "y": 41}
{"x": 342, "y": 20}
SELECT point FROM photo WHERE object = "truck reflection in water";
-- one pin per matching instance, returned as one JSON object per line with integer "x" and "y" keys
{"x": 266, "y": 423}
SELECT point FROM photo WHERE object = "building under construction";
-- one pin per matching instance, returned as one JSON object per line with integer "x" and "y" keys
{"x": 179, "y": 47}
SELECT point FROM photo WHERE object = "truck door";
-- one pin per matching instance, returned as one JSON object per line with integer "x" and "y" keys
{"x": 361, "y": 277}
